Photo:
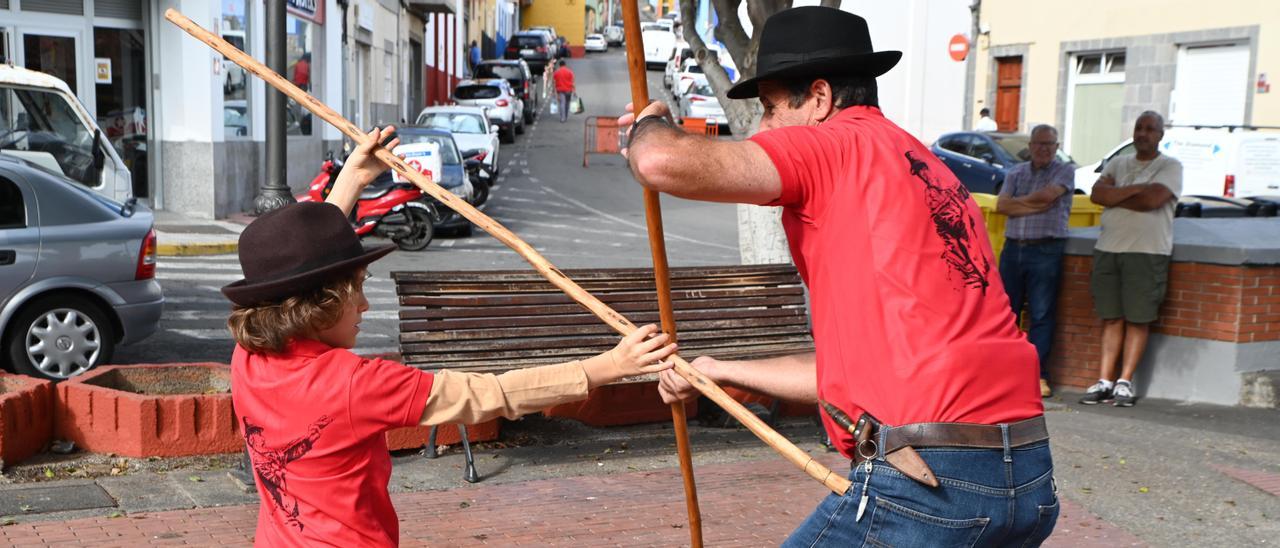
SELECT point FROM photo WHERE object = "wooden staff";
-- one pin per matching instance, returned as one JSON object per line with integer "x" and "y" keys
{"x": 661, "y": 275}
{"x": 837, "y": 483}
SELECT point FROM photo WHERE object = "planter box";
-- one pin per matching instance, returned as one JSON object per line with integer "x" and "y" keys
{"x": 26, "y": 417}
{"x": 150, "y": 410}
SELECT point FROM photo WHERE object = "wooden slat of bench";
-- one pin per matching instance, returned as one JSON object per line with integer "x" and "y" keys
{"x": 575, "y": 308}
{"x": 542, "y": 286}
{"x": 583, "y": 318}
{"x": 500, "y": 332}
{"x": 550, "y": 338}
{"x": 494, "y": 364}
{"x": 515, "y": 349}
{"x": 582, "y": 275}
{"x": 618, "y": 297}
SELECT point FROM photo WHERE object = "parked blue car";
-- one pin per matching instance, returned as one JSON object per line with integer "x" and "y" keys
{"x": 980, "y": 160}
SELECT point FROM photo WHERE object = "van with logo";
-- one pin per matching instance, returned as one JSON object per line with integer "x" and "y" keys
{"x": 1227, "y": 161}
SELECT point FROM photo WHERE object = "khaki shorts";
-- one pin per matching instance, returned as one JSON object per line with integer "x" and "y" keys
{"x": 1129, "y": 285}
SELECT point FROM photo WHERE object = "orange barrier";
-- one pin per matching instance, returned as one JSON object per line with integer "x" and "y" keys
{"x": 699, "y": 125}
{"x": 601, "y": 135}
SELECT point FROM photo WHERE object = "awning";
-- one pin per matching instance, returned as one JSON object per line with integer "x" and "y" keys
{"x": 423, "y": 8}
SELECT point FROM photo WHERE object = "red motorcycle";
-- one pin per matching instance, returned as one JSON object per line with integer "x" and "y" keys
{"x": 385, "y": 208}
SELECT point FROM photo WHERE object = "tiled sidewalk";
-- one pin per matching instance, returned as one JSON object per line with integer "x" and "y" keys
{"x": 743, "y": 504}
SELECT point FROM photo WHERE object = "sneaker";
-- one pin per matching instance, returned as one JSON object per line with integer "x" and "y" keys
{"x": 1045, "y": 391}
{"x": 1124, "y": 395}
{"x": 1096, "y": 394}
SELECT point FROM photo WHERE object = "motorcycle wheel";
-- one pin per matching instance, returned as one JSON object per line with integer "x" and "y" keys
{"x": 423, "y": 231}
{"x": 482, "y": 193}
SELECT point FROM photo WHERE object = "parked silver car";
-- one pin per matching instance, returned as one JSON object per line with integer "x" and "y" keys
{"x": 501, "y": 103}
{"x": 77, "y": 273}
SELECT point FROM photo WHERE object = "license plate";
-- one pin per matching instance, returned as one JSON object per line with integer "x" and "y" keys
{"x": 526, "y": 52}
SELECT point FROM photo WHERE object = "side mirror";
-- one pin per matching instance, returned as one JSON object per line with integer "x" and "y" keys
{"x": 989, "y": 157}
{"x": 1099, "y": 168}
{"x": 493, "y": 128}
{"x": 99, "y": 157}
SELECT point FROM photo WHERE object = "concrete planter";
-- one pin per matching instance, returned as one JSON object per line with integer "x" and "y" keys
{"x": 26, "y": 417}
{"x": 150, "y": 410}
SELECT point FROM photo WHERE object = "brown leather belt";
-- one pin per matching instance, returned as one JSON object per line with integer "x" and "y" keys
{"x": 900, "y": 441}
{"x": 958, "y": 434}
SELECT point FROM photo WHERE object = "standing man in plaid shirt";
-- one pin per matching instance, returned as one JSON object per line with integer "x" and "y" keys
{"x": 1037, "y": 198}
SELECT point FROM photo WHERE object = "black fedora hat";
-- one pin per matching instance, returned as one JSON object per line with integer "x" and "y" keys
{"x": 814, "y": 41}
{"x": 295, "y": 249}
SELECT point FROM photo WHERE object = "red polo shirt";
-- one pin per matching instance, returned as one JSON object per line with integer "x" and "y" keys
{"x": 910, "y": 319}
{"x": 314, "y": 419}
{"x": 563, "y": 78}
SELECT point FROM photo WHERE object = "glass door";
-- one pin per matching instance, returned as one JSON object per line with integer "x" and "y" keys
{"x": 121, "y": 93}
{"x": 53, "y": 53}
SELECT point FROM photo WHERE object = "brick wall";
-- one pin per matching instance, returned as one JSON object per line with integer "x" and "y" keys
{"x": 1239, "y": 304}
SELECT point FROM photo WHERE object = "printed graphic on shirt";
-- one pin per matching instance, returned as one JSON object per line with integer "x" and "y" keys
{"x": 269, "y": 464}
{"x": 949, "y": 208}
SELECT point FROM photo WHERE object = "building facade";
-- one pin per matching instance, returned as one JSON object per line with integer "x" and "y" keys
{"x": 1091, "y": 66}
{"x": 384, "y": 53}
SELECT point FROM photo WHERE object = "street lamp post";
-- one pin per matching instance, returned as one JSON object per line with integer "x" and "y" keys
{"x": 274, "y": 192}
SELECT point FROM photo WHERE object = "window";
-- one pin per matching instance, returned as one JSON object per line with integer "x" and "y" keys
{"x": 448, "y": 153}
{"x": 956, "y": 144}
{"x": 299, "y": 40}
{"x": 1017, "y": 146}
{"x": 387, "y": 67}
{"x": 13, "y": 211}
{"x": 454, "y": 122}
{"x": 494, "y": 70}
{"x": 980, "y": 148}
{"x": 1100, "y": 63}
{"x": 43, "y": 128}
{"x": 235, "y": 80}
{"x": 477, "y": 92}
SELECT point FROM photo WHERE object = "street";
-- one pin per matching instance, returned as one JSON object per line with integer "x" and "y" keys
{"x": 577, "y": 217}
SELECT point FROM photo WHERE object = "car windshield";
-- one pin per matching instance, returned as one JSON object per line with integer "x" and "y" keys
{"x": 448, "y": 153}
{"x": 528, "y": 41}
{"x": 477, "y": 92}
{"x": 453, "y": 122}
{"x": 35, "y": 121}
{"x": 494, "y": 70}
{"x": 653, "y": 27}
{"x": 693, "y": 68}
{"x": 702, "y": 89}
{"x": 1018, "y": 146}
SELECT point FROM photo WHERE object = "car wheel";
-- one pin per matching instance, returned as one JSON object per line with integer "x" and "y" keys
{"x": 528, "y": 116}
{"x": 508, "y": 136}
{"x": 59, "y": 337}
{"x": 520, "y": 127}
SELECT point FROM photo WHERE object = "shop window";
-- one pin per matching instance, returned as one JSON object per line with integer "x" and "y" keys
{"x": 235, "y": 80}
{"x": 299, "y": 40}
{"x": 121, "y": 85}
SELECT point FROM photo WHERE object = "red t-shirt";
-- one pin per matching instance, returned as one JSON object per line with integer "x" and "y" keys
{"x": 314, "y": 419}
{"x": 564, "y": 79}
{"x": 910, "y": 319}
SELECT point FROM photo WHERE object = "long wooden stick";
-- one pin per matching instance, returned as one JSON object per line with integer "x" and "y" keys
{"x": 836, "y": 482}
{"x": 661, "y": 275}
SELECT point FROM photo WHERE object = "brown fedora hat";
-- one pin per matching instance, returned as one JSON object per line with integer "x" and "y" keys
{"x": 296, "y": 249}
{"x": 814, "y": 42}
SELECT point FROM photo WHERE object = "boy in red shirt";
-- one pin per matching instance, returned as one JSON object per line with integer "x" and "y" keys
{"x": 314, "y": 415}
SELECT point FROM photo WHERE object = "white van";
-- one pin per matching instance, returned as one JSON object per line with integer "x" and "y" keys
{"x": 659, "y": 45}
{"x": 1215, "y": 161}
{"x": 42, "y": 122}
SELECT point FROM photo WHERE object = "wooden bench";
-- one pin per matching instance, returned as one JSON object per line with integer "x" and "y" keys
{"x": 495, "y": 321}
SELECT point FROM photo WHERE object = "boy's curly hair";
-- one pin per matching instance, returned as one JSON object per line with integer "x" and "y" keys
{"x": 268, "y": 328}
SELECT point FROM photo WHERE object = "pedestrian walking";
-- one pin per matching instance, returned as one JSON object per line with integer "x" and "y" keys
{"x": 1139, "y": 192}
{"x": 473, "y": 57}
{"x": 985, "y": 122}
{"x": 314, "y": 415}
{"x": 563, "y": 78}
{"x": 1037, "y": 197}
{"x": 925, "y": 381}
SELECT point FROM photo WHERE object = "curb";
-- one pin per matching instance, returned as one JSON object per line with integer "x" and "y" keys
{"x": 188, "y": 250}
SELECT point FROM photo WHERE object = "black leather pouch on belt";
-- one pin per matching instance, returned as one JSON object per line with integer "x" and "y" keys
{"x": 904, "y": 459}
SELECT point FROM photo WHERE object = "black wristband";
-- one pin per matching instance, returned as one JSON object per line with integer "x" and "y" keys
{"x": 647, "y": 121}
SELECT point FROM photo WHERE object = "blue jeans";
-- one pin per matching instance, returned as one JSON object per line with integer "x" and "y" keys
{"x": 563, "y": 97}
{"x": 985, "y": 498}
{"x": 1031, "y": 274}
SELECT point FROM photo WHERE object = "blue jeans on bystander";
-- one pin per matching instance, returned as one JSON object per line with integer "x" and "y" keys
{"x": 985, "y": 498}
{"x": 563, "y": 97}
{"x": 1031, "y": 274}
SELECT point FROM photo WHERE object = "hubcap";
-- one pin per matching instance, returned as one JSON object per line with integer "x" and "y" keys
{"x": 63, "y": 343}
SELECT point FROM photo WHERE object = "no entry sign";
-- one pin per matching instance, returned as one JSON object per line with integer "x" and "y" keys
{"x": 959, "y": 47}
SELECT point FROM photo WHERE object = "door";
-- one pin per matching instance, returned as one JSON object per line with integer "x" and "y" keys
{"x": 121, "y": 94}
{"x": 1095, "y": 99}
{"x": 1211, "y": 86}
{"x": 54, "y": 53}
{"x": 982, "y": 173}
{"x": 1008, "y": 92}
{"x": 19, "y": 236}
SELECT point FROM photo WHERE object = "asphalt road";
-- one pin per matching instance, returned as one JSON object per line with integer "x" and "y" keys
{"x": 577, "y": 217}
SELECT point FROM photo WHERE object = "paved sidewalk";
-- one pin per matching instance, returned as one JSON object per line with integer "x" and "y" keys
{"x": 178, "y": 234}
{"x": 750, "y": 503}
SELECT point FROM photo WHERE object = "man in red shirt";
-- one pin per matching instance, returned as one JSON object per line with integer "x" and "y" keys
{"x": 912, "y": 327}
{"x": 563, "y": 78}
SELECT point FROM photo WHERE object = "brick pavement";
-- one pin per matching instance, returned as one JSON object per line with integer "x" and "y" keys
{"x": 754, "y": 503}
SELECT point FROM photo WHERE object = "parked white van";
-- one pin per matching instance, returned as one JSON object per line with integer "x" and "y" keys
{"x": 659, "y": 45}
{"x": 42, "y": 122}
{"x": 1215, "y": 161}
